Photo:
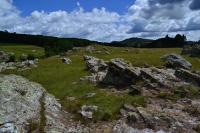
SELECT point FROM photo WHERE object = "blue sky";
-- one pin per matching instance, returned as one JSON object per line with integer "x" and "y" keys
{"x": 102, "y": 20}
{"x": 28, "y": 6}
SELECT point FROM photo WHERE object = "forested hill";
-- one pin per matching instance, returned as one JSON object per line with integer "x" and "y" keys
{"x": 55, "y": 45}
{"x": 52, "y": 45}
{"x": 131, "y": 42}
{"x": 167, "y": 42}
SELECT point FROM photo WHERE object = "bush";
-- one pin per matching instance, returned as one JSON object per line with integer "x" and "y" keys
{"x": 31, "y": 57}
{"x": 11, "y": 58}
{"x": 23, "y": 57}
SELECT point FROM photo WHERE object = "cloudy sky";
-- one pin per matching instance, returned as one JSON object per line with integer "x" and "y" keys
{"x": 102, "y": 20}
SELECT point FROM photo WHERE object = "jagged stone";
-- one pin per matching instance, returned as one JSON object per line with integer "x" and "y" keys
{"x": 188, "y": 76}
{"x": 88, "y": 111}
{"x": 176, "y": 61}
{"x": 66, "y": 60}
{"x": 94, "y": 64}
{"x": 95, "y": 77}
{"x": 120, "y": 73}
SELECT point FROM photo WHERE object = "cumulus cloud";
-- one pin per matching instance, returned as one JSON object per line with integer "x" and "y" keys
{"x": 145, "y": 18}
{"x": 156, "y": 17}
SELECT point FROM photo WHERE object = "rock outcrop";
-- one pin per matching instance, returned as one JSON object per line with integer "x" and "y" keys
{"x": 94, "y": 65}
{"x": 27, "y": 64}
{"x": 120, "y": 73}
{"x": 160, "y": 115}
{"x": 176, "y": 61}
{"x": 188, "y": 76}
{"x": 26, "y": 107}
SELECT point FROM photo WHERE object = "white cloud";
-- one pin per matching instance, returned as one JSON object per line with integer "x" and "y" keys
{"x": 146, "y": 18}
{"x": 163, "y": 17}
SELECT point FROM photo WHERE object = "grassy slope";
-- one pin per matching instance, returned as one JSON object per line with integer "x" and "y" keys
{"x": 63, "y": 80}
{"x": 20, "y": 49}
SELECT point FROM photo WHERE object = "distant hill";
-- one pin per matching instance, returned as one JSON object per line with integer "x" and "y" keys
{"x": 167, "y": 42}
{"x": 52, "y": 45}
{"x": 55, "y": 45}
{"x": 131, "y": 42}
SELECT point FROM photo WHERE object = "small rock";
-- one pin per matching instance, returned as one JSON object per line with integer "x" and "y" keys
{"x": 89, "y": 95}
{"x": 66, "y": 60}
{"x": 88, "y": 111}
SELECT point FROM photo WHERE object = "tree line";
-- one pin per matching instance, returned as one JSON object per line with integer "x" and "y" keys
{"x": 52, "y": 45}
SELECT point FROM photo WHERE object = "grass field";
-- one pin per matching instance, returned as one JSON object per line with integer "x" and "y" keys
{"x": 63, "y": 80}
{"x": 20, "y": 49}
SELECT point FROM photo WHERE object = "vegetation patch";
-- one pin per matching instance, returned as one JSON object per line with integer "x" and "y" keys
{"x": 181, "y": 92}
{"x": 19, "y": 49}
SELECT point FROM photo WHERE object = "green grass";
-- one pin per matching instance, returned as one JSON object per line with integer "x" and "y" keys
{"x": 20, "y": 49}
{"x": 63, "y": 80}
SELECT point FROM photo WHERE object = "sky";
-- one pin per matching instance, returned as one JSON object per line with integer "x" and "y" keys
{"x": 102, "y": 20}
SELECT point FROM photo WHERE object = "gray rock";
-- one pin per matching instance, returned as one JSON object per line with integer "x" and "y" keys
{"x": 95, "y": 77}
{"x": 66, "y": 60}
{"x": 120, "y": 73}
{"x": 88, "y": 111}
{"x": 21, "y": 102}
{"x": 176, "y": 61}
{"x": 95, "y": 65}
{"x": 188, "y": 76}
{"x": 89, "y": 95}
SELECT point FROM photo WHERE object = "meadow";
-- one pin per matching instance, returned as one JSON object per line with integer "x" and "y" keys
{"x": 63, "y": 81}
{"x": 20, "y": 49}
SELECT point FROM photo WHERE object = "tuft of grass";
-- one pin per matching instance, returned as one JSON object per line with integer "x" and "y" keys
{"x": 181, "y": 92}
{"x": 32, "y": 126}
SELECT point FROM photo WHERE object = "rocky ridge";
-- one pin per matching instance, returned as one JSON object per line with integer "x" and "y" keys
{"x": 159, "y": 85}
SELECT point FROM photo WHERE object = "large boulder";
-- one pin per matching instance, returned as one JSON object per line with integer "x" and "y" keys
{"x": 176, "y": 61}
{"x": 24, "y": 104}
{"x": 120, "y": 73}
{"x": 188, "y": 76}
{"x": 95, "y": 65}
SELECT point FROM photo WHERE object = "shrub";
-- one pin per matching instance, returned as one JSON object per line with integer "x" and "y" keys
{"x": 31, "y": 57}
{"x": 23, "y": 57}
{"x": 11, "y": 58}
